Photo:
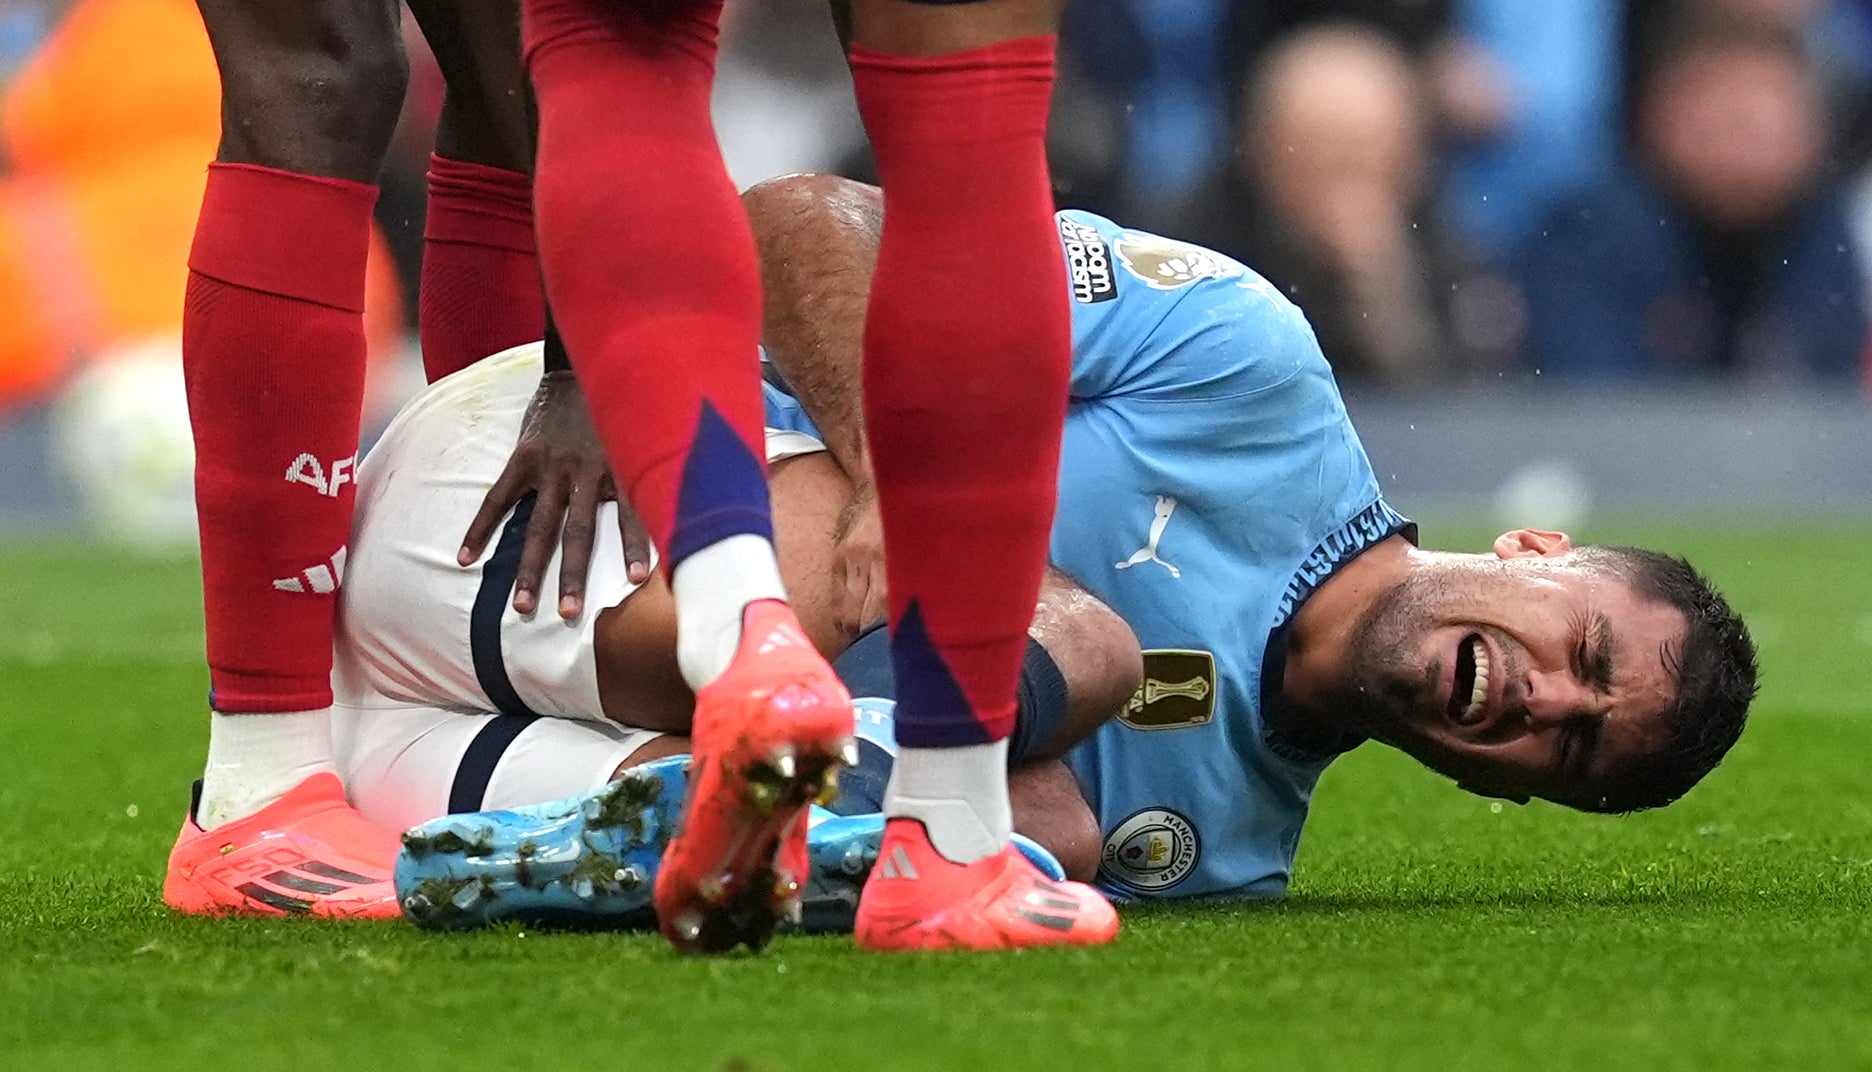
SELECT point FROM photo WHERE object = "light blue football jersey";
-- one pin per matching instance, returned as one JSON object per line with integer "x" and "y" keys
{"x": 1209, "y": 481}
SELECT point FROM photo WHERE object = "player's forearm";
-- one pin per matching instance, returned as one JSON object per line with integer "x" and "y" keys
{"x": 818, "y": 238}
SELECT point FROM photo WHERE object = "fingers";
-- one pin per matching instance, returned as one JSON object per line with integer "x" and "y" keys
{"x": 494, "y": 506}
{"x": 581, "y": 527}
{"x": 636, "y": 542}
{"x": 542, "y": 535}
{"x": 559, "y": 457}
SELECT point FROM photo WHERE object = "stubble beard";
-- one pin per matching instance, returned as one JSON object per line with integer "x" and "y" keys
{"x": 1387, "y": 687}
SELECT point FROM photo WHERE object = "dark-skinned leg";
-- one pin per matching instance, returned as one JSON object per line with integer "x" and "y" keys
{"x": 487, "y": 111}
{"x": 273, "y": 354}
{"x": 312, "y": 87}
{"x": 965, "y": 382}
{"x": 480, "y": 291}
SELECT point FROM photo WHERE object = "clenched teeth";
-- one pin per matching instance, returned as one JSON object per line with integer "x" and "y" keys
{"x": 1478, "y": 693}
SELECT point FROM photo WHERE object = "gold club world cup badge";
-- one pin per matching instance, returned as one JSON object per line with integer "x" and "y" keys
{"x": 1152, "y": 850}
{"x": 1179, "y": 690}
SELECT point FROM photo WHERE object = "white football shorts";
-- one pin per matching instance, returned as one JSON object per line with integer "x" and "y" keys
{"x": 446, "y": 698}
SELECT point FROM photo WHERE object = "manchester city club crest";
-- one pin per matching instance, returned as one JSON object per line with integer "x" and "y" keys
{"x": 1151, "y": 851}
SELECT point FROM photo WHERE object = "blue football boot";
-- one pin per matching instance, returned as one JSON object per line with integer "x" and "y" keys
{"x": 587, "y": 861}
{"x": 591, "y": 861}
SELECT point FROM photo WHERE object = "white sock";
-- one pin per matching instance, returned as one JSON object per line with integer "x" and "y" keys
{"x": 960, "y": 794}
{"x": 253, "y": 760}
{"x": 712, "y": 587}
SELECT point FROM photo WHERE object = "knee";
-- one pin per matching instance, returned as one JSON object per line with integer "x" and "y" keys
{"x": 314, "y": 87}
{"x": 1097, "y": 655}
{"x": 1108, "y": 672}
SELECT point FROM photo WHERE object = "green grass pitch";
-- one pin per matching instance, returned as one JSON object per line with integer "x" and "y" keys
{"x": 1426, "y": 929}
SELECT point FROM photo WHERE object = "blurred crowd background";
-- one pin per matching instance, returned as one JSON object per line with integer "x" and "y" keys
{"x": 1460, "y": 193}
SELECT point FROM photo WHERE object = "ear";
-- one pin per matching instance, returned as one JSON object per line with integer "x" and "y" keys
{"x": 1532, "y": 543}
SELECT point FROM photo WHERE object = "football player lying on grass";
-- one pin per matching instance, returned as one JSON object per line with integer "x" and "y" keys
{"x": 1212, "y": 493}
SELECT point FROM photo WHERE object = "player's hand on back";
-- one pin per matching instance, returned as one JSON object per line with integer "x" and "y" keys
{"x": 858, "y": 562}
{"x": 559, "y": 457}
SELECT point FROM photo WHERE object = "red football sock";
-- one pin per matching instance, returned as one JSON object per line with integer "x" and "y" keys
{"x": 273, "y": 351}
{"x": 649, "y": 260}
{"x": 968, "y": 350}
{"x": 480, "y": 276}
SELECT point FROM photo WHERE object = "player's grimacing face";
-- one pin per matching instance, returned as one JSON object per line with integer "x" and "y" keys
{"x": 1536, "y": 671}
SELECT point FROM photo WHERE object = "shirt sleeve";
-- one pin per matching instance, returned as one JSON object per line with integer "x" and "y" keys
{"x": 785, "y": 413}
{"x": 1196, "y": 345}
{"x": 1200, "y": 381}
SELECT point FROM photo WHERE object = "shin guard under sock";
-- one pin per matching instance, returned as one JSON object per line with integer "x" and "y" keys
{"x": 967, "y": 357}
{"x": 649, "y": 261}
{"x": 273, "y": 353}
{"x": 480, "y": 291}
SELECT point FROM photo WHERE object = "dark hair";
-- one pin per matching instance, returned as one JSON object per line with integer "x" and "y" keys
{"x": 1715, "y": 669}
{"x": 1676, "y": 35}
